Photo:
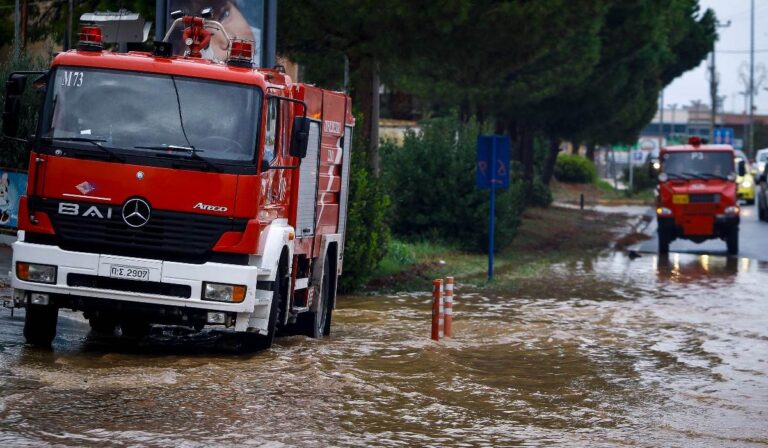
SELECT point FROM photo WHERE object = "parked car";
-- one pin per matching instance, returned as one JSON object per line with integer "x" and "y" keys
{"x": 761, "y": 157}
{"x": 745, "y": 185}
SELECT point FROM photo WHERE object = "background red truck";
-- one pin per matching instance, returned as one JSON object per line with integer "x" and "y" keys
{"x": 180, "y": 190}
{"x": 696, "y": 195}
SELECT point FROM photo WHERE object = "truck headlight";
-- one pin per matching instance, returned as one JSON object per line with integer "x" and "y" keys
{"x": 663, "y": 211}
{"x": 746, "y": 184}
{"x": 38, "y": 273}
{"x": 732, "y": 210}
{"x": 219, "y": 292}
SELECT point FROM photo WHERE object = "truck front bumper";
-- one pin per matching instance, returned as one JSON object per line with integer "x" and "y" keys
{"x": 721, "y": 228}
{"x": 169, "y": 279}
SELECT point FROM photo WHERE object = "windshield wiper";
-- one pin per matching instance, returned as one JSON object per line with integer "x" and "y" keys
{"x": 191, "y": 150}
{"x": 715, "y": 176}
{"x": 696, "y": 175}
{"x": 95, "y": 141}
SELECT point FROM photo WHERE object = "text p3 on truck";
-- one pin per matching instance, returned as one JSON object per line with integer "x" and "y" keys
{"x": 180, "y": 190}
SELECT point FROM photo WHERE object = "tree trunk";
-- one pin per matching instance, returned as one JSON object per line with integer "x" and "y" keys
{"x": 24, "y": 20}
{"x": 591, "y": 151}
{"x": 368, "y": 91}
{"x": 549, "y": 162}
{"x": 526, "y": 156}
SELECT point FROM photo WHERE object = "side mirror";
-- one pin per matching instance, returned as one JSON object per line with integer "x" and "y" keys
{"x": 300, "y": 137}
{"x": 14, "y": 88}
{"x": 653, "y": 168}
{"x": 742, "y": 168}
{"x": 761, "y": 177}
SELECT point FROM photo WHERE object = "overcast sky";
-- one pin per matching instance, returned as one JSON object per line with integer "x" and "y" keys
{"x": 732, "y": 52}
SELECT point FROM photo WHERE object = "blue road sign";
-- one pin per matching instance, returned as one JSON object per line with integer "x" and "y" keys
{"x": 492, "y": 172}
{"x": 492, "y": 161}
{"x": 723, "y": 136}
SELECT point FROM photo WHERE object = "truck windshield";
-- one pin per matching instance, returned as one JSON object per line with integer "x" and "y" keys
{"x": 149, "y": 113}
{"x": 698, "y": 164}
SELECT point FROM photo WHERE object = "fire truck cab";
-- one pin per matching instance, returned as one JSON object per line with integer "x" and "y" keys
{"x": 696, "y": 194}
{"x": 179, "y": 190}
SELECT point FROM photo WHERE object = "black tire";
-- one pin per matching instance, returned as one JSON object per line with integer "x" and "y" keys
{"x": 253, "y": 341}
{"x": 664, "y": 241}
{"x": 317, "y": 324}
{"x": 102, "y": 325}
{"x": 762, "y": 213}
{"x": 750, "y": 201}
{"x": 732, "y": 241}
{"x": 40, "y": 325}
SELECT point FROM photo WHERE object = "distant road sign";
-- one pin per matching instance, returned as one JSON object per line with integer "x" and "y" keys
{"x": 492, "y": 170}
{"x": 723, "y": 136}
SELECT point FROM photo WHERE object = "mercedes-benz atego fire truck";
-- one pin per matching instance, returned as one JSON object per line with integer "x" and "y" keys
{"x": 180, "y": 190}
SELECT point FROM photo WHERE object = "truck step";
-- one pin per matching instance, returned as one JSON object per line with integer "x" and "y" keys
{"x": 301, "y": 283}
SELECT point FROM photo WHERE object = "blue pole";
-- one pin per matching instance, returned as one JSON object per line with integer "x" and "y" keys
{"x": 492, "y": 214}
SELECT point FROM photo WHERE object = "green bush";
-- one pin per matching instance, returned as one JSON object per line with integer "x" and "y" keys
{"x": 574, "y": 168}
{"x": 14, "y": 154}
{"x": 431, "y": 179}
{"x": 539, "y": 194}
{"x": 367, "y": 234}
{"x": 641, "y": 178}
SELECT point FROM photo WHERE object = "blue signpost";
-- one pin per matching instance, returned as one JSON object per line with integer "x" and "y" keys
{"x": 723, "y": 136}
{"x": 492, "y": 172}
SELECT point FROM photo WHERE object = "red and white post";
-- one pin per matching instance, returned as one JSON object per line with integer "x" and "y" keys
{"x": 449, "y": 307}
{"x": 437, "y": 309}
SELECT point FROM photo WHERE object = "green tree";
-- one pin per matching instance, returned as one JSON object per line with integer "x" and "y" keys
{"x": 375, "y": 36}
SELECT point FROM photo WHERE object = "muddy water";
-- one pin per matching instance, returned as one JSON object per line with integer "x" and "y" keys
{"x": 604, "y": 352}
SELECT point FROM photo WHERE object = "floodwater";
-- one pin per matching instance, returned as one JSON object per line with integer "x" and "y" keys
{"x": 603, "y": 352}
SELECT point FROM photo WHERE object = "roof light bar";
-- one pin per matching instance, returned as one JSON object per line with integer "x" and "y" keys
{"x": 241, "y": 53}
{"x": 90, "y": 38}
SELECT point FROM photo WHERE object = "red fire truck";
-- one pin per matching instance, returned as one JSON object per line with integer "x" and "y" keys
{"x": 696, "y": 195}
{"x": 179, "y": 190}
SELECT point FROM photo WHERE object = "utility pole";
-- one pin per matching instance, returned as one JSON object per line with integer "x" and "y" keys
{"x": 16, "y": 18}
{"x": 751, "y": 147}
{"x": 661, "y": 119}
{"x": 673, "y": 106}
{"x": 70, "y": 11}
{"x": 713, "y": 83}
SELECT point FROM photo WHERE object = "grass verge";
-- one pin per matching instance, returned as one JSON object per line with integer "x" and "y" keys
{"x": 546, "y": 236}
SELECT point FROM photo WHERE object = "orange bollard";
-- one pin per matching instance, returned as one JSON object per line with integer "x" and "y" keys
{"x": 437, "y": 302}
{"x": 449, "y": 307}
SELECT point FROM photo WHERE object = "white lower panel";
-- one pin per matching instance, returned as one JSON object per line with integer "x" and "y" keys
{"x": 192, "y": 275}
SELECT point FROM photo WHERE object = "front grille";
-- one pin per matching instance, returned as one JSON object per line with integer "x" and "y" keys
{"x": 118, "y": 284}
{"x": 174, "y": 236}
{"x": 704, "y": 198}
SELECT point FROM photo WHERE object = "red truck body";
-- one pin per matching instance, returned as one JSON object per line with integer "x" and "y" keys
{"x": 209, "y": 232}
{"x": 696, "y": 194}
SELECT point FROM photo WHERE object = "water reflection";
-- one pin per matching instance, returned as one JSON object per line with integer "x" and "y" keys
{"x": 606, "y": 351}
{"x": 704, "y": 269}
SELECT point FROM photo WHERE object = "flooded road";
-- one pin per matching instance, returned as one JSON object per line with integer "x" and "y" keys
{"x": 602, "y": 352}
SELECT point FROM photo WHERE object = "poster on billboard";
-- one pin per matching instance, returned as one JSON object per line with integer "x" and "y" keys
{"x": 241, "y": 19}
{"x": 12, "y": 185}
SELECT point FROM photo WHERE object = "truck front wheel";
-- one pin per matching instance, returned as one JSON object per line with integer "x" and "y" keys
{"x": 664, "y": 241}
{"x": 40, "y": 325}
{"x": 732, "y": 241}
{"x": 253, "y": 341}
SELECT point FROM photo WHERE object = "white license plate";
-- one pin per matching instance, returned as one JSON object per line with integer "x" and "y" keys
{"x": 128, "y": 272}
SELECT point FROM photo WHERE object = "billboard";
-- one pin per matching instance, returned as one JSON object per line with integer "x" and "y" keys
{"x": 13, "y": 184}
{"x": 242, "y": 19}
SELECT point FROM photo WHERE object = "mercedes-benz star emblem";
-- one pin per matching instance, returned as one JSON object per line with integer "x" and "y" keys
{"x": 136, "y": 212}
